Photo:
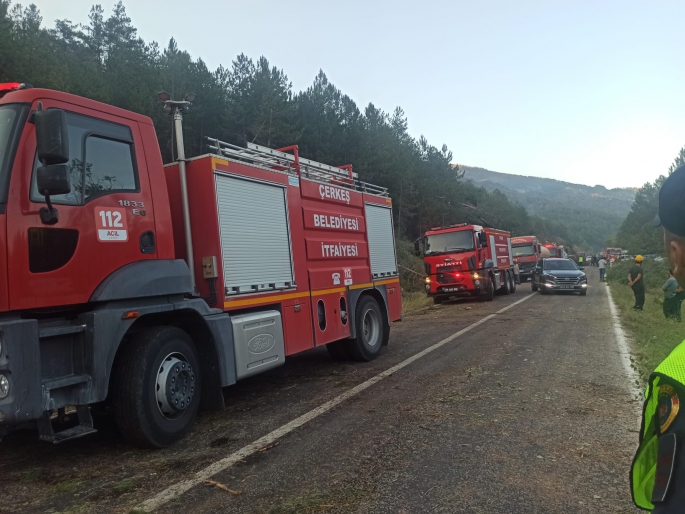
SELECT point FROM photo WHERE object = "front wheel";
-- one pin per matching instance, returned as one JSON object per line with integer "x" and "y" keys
{"x": 490, "y": 293}
{"x": 583, "y": 292}
{"x": 372, "y": 330}
{"x": 533, "y": 285}
{"x": 157, "y": 387}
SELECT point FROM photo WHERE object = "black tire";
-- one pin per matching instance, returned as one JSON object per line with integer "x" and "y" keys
{"x": 437, "y": 300}
{"x": 372, "y": 330}
{"x": 533, "y": 285}
{"x": 544, "y": 290}
{"x": 506, "y": 284}
{"x": 583, "y": 292}
{"x": 513, "y": 283}
{"x": 338, "y": 351}
{"x": 157, "y": 355}
{"x": 490, "y": 291}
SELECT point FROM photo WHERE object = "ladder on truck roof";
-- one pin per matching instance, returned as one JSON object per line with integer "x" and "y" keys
{"x": 294, "y": 164}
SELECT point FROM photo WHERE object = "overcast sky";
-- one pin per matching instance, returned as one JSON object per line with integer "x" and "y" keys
{"x": 583, "y": 91}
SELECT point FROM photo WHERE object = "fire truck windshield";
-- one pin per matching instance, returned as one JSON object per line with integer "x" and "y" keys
{"x": 460, "y": 241}
{"x": 9, "y": 119}
{"x": 523, "y": 250}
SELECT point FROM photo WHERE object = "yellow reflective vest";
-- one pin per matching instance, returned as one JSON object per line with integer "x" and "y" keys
{"x": 643, "y": 471}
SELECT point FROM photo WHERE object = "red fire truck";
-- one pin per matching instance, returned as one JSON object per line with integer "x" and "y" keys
{"x": 123, "y": 281}
{"x": 526, "y": 252}
{"x": 554, "y": 251}
{"x": 613, "y": 254}
{"x": 467, "y": 260}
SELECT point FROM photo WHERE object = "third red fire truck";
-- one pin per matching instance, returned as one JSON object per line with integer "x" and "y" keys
{"x": 526, "y": 252}
{"x": 467, "y": 260}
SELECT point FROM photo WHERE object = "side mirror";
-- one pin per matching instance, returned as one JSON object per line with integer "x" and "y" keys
{"x": 52, "y": 137}
{"x": 417, "y": 248}
{"x": 482, "y": 239}
{"x": 54, "y": 179}
{"x": 52, "y": 147}
{"x": 487, "y": 263}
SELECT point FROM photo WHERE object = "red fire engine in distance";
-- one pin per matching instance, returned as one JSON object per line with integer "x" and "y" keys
{"x": 526, "y": 252}
{"x": 467, "y": 261}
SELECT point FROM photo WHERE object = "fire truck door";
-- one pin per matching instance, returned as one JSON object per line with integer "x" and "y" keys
{"x": 105, "y": 222}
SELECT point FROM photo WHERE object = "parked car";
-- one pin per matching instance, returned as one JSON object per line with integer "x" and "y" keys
{"x": 559, "y": 275}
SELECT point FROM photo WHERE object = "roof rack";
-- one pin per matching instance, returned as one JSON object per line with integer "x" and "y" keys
{"x": 292, "y": 163}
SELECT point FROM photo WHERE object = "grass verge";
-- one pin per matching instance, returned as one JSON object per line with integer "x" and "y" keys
{"x": 654, "y": 336}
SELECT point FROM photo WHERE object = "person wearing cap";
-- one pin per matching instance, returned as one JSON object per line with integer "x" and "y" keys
{"x": 657, "y": 475}
{"x": 636, "y": 280}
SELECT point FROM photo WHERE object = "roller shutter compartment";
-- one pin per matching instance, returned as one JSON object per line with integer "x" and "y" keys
{"x": 255, "y": 240}
{"x": 381, "y": 241}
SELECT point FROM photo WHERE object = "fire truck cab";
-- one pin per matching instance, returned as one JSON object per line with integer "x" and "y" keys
{"x": 526, "y": 252}
{"x": 467, "y": 261}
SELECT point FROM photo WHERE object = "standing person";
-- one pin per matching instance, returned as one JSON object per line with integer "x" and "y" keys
{"x": 602, "y": 264}
{"x": 671, "y": 305}
{"x": 658, "y": 473}
{"x": 516, "y": 271}
{"x": 636, "y": 280}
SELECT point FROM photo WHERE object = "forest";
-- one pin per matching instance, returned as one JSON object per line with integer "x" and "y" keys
{"x": 253, "y": 101}
{"x": 637, "y": 234}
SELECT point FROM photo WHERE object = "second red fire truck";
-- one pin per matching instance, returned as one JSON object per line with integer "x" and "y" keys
{"x": 526, "y": 252}
{"x": 467, "y": 261}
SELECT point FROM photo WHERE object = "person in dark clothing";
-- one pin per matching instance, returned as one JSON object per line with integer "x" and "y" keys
{"x": 671, "y": 302}
{"x": 636, "y": 280}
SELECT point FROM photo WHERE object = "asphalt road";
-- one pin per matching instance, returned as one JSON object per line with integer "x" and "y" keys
{"x": 529, "y": 411}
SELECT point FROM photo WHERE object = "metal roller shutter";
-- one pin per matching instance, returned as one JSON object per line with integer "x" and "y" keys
{"x": 255, "y": 242}
{"x": 381, "y": 241}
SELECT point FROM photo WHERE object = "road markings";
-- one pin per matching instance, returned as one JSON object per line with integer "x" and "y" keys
{"x": 624, "y": 349}
{"x": 181, "y": 487}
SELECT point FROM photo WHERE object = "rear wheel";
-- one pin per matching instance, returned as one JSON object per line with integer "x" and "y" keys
{"x": 513, "y": 282}
{"x": 157, "y": 387}
{"x": 506, "y": 283}
{"x": 372, "y": 330}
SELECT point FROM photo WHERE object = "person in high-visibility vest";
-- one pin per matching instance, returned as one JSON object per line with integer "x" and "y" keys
{"x": 658, "y": 470}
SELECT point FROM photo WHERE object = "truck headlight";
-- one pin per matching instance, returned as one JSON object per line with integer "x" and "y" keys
{"x": 427, "y": 280}
{"x": 476, "y": 276}
{"x": 4, "y": 387}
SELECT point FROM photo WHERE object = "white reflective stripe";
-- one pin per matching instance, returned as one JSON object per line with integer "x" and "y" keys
{"x": 255, "y": 241}
{"x": 511, "y": 257}
{"x": 381, "y": 240}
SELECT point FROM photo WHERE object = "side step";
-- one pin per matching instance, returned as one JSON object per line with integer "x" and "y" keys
{"x": 84, "y": 427}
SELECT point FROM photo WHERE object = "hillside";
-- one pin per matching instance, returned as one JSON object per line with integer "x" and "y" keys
{"x": 585, "y": 215}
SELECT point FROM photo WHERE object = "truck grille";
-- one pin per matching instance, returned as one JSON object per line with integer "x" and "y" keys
{"x": 447, "y": 279}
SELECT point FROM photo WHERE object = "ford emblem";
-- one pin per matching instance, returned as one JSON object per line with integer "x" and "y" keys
{"x": 261, "y": 343}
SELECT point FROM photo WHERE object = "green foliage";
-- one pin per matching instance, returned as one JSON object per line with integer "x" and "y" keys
{"x": 636, "y": 233}
{"x": 562, "y": 212}
{"x": 251, "y": 101}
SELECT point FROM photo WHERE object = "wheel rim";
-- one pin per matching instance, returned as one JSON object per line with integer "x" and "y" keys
{"x": 175, "y": 385}
{"x": 371, "y": 328}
